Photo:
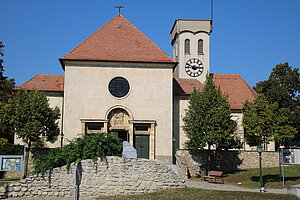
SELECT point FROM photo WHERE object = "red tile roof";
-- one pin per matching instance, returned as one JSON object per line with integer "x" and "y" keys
{"x": 44, "y": 82}
{"x": 236, "y": 87}
{"x": 232, "y": 84}
{"x": 186, "y": 85}
{"x": 118, "y": 40}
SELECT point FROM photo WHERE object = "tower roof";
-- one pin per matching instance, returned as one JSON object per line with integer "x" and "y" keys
{"x": 118, "y": 40}
{"x": 190, "y": 25}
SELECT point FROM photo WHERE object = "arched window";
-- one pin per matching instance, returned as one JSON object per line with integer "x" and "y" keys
{"x": 200, "y": 46}
{"x": 187, "y": 46}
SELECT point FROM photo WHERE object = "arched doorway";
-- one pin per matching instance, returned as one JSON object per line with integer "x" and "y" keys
{"x": 118, "y": 123}
{"x": 139, "y": 133}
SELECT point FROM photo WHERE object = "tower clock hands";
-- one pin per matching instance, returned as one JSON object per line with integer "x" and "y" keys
{"x": 194, "y": 67}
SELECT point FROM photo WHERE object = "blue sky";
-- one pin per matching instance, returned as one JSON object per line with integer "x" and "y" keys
{"x": 249, "y": 36}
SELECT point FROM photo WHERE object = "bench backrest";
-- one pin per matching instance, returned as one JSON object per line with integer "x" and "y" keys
{"x": 215, "y": 173}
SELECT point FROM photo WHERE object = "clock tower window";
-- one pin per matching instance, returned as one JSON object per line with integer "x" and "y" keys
{"x": 187, "y": 48}
{"x": 200, "y": 46}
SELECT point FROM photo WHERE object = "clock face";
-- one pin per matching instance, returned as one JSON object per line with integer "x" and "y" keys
{"x": 194, "y": 67}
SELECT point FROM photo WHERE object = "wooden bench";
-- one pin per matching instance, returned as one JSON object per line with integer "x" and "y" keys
{"x": 213, "y": 175}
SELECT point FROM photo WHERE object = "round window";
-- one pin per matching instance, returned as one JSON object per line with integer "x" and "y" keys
{"x": 118, "y": 87}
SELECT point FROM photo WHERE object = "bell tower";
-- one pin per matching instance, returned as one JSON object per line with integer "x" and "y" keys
{"x": 190, "y": 41}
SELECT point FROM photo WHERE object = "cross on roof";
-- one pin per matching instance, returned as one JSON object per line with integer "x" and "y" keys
{"x": 119, "y": 7}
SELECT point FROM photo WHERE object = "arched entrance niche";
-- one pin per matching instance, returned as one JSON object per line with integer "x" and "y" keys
{"x": 139, "y": 133}
{"x": 118, "y": 123}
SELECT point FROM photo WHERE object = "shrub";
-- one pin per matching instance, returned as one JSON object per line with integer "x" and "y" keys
{"x": 87, "y": 147}
{"x": 11, "y": 149}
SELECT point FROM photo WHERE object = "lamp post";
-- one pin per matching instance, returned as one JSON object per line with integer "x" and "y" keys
{"x": 281, "y": 148}
{"x": 259, "y": 150}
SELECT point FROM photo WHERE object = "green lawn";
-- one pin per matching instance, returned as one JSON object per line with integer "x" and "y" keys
{"x": 250, "y": 178}
{"x": 194, "y": 193}
{"x": 7, "y": 181}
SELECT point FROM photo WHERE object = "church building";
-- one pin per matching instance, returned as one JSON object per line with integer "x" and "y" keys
{"x": 119, "y": 81}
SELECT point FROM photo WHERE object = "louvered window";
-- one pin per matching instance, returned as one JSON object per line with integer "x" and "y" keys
{"x": 200, "y": 46}
{"x": 187, "y": 48}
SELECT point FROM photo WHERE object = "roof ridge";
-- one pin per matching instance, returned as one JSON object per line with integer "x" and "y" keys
{"x": 49, "y": 75}
{"x": 43, "y": 82}
{"x": 148, "y": 38}
{"x": 84, "y": 41}
{"x": 186, "y": 78}
{"x": 26, "y": 82}
{"x": 251, "y": 88}
{"x": 106, "y": 44}
{"x": 227, "y": 74}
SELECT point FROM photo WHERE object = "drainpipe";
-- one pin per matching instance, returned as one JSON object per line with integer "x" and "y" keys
{"x": 62, "y": 121}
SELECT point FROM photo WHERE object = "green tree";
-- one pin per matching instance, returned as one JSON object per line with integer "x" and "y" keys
{"x": 91, "y": 146}
{"x": 6, "y": 122}
{"x": 6, "y": 84}
{"x": 33, "y": 120}
{"x": 265, "y": 122}
{"x": 283, "y": 87}
{"x": 208, "y": 120}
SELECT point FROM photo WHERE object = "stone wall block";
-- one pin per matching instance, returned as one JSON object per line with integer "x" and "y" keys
{"x": 110, "y": 176}
{"x": 190, "y": 163}
{"x": 17, "y": 189}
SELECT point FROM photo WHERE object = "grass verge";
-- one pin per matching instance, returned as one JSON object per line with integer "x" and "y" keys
{"x": 271, "y": 179}
{"x": 199, "y": 194}
{"x": 7, "y": 181}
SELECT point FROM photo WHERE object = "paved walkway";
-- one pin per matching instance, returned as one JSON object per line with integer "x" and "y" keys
{"x": 226, "y": 187}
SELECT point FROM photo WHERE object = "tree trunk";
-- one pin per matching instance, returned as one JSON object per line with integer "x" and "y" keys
{"x": 26, "y": 159}
{"x": 209, "y": 158}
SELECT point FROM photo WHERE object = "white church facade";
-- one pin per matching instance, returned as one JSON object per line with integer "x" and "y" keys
{"x": 119, "y": 81}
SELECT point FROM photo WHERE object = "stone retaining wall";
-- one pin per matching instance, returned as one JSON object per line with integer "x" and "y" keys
{"x": 112, "y": 176}
{"x": 191, "y": 163}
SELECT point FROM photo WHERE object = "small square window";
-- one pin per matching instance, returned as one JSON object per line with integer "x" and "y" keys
{"x": 93, "y": 127}
{"x": 141, "y": 128}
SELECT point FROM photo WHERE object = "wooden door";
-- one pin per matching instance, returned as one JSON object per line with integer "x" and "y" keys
{"x": 141, "y": 144}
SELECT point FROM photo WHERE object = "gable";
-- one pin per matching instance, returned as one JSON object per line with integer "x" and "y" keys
{"x": 118, "y": 40}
